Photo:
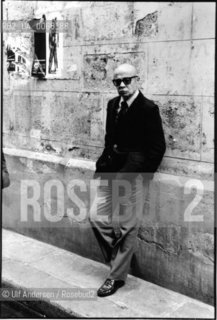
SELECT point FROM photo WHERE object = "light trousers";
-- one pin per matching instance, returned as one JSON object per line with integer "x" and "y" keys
{"x": 116, "y": 221}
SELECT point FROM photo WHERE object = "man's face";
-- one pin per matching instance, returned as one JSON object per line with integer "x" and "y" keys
{"x": 124, "y": 89}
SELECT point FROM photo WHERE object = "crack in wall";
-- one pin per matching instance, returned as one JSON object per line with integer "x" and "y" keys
{"x": 160, "y": 246}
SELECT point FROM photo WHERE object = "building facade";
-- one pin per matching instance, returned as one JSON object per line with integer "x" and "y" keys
{"x": 54, "y": 122}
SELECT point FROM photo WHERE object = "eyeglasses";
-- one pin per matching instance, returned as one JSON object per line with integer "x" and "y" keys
{"x": 126, "y": 81}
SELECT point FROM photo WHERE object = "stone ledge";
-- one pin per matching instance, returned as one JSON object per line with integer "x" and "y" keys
{"x": 61, "y": 269}
{"x": 85, "y": 164}
{"x": 68, "y": 162}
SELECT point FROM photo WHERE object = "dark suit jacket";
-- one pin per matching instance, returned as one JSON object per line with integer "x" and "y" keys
{"x": 137, "y": 143}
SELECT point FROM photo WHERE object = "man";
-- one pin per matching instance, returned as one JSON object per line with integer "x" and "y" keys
{"x": 53, "y": 44}
{"x": 5, "y": 174}
{"x": 134, "y": 144}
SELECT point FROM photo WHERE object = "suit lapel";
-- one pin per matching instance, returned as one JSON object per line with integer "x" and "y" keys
{"x": 140, "y": 100}
{"x": 137, "y": 102}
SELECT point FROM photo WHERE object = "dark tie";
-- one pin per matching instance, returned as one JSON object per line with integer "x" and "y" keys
{"x": 123, "y": 110}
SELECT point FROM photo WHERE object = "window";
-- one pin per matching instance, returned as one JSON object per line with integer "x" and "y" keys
{"x": 10, "y": 59}
{"x": 39, "y": 63}
{"x": 48, "y": 48}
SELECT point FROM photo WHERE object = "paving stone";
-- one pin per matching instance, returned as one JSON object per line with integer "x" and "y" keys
{"x": 21, "y": 251}
{"x": 62, "y": 269}
{"x": 94, "y": 272}
{"x": 192, "y": 310}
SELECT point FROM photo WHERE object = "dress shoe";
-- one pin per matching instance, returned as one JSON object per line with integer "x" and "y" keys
{"x": 109, "y": 287}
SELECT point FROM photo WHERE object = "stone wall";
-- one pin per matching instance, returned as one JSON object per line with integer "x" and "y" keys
{"x": 172, "y": 45}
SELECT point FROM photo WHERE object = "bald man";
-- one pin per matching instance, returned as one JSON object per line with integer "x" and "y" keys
{"x": 134, "y": 148}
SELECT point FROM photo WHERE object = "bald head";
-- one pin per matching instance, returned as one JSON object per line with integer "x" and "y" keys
{"x": 126, "y": 80}
{"x": 125, "y": 68}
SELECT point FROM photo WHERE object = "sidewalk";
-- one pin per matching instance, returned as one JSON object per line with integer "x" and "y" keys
{"x": 29, "y": 263}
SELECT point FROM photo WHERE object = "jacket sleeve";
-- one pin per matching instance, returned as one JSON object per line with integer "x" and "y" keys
{"x": 103, "y": 161}
{"x": 156, "y": 144}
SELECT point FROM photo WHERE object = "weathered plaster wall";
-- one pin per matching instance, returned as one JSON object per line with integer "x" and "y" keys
{"x": 172, "y": 45}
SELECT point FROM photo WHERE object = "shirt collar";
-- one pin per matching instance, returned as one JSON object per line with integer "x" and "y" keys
{"x": 131, "y": 99}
